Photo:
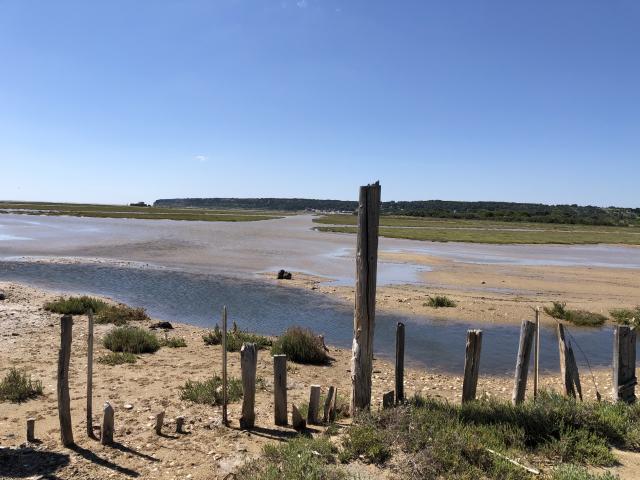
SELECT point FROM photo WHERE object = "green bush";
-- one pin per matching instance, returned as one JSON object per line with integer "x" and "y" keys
{"x": 120, "y": 315}
{"x": 131, "y": 340}
{"x": 76, "y": 305}
{"x": 117, "y": 358}
{"x": 365, "y": 440}
{"x": 235, "y": 339}
{"x": 210, "y": 391}
{"x": 439, "y": 301}
{"x": 301, "y": 345}
{"x": 18, "y": 387}
{"x": 574, "y": 472}
{"x": 626, "y": 316}
{"x": 578, "y": 317}
{"x": 174, "y": 342}
{"x": 558, "y": 310}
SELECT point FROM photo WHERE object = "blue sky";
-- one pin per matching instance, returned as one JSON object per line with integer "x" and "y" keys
{"x": 120, "y": 101}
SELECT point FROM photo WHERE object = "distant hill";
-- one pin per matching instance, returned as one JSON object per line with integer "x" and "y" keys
{"x": 503, "y": 211}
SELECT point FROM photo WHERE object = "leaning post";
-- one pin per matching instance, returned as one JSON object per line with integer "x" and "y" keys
{"x": 365, "y": 293}
{"x": 64, "y": 402}
{"x": 624, "y": 364}
{"x": 522, "y": 363}
{"x": 399, "y": 394}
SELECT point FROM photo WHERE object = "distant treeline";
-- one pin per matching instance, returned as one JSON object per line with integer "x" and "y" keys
{"x": 503, "y": 211}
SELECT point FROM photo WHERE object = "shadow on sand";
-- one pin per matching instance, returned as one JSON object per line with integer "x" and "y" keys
{"x": 30, "y": 462}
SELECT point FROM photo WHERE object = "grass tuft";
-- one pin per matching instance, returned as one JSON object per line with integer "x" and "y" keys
{"x": 626, "y": 316}
{"x": 439, "y": 301}
{"x": 76, "y": 305}
{"x": 120, "y": 315}
{"x": 301, "y": 345}
{"x": 560, "y": 311}
{"x": 575, "y": 472}
{"x": 235, "y": 339}
{"x": 173, "y": 342}
{"x": 117, "y": 358}
{"x": 131, "y": 340}
{"x": 210, "y": 391}
{"x": 17, "y": 387}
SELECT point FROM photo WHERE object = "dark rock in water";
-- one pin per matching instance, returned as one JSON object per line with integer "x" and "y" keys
{"x": 2, "y": 295}
{"x": 163, "y": 325}
{"x": 284, "y": 275}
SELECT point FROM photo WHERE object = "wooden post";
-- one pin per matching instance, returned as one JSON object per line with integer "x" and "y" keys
{"x": 90, "y": 375}
{"x": 296, "y": 419}
{"x": 225, "y": 420}
{"x": 471, "y": 365}
{"x": 575, "y": 375}
{"x": 179, "y": 424}
{"x": 624, "y": 363}
{"x": 106, "y": 437}
{"x": 31, "y": 430}
{"x": 536, "y": 356}
{"x": 159, "y": 422}
{"x": 566, "y": 366}
{"x": 388, "y": 399}
{"x": 522, "y": 363}
{"x": 280, "y": 390}
{"x": 330, "y": 405}
{"x": 314, "y": 405}
{"x": 365, "y": 301}
{"x": 64, "y": 403}
{"x": 248, "y": 365}
{"x": 399, "y": 393}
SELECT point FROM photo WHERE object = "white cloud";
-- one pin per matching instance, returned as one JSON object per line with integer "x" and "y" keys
{"x": 302, "y": 3}
{"x": 201, "y": 158}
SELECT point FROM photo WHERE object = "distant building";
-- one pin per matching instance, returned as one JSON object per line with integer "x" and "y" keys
{"x": 139, "y": 204}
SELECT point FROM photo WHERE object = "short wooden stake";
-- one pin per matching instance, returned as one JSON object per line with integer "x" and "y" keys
{"x": 388, "y": 399}
{"x": 31, "y": 429}
{"x": 248, "y": 365}
{"x": 106, "y": 437}
{"x": 527, "y": 332}
{"x": 280, "y": 390}
{"x": 179, "y": 424}
{"x": 624, "y": 364}
{"x": 314, "y": 405}
{"x": 298, "y": 422}
{"x": 225, "y": 420}
{"x": 90, "y": 375}
{"x": 400, "y": 362}
{"x": 471, "y": 365}
{"x": 159, "y": 422}
{"x": 64, "y": 402}
{"x": 330, "y": 405}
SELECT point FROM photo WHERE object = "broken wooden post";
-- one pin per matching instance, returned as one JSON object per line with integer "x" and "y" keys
{"x": 64, "y": 403}
{"x": 248, "y": 365}
{"x": 225, "y": 420}
{"x": 522, "y": 363}
{"x": 159, "y": 422}
{"x": 536, "y": 355}
{"x": 388, "y": 399}
{"x": 31, "y": 429}
{"x": 314, "y": 405}
{"x": 575, "y": 375}
{"x": 365, "y": 301}
{"x": 280, "y": 389}
{"x": 471, "y": 365}
{"x": 330, "y": 405}
{"x": 400, "y": 363}
{"x": 296, "y": 419}
{"x": 106, "y": 437}
{"x": 179, "y": 424}
{"x": 624, "y": 364}
{"x": 90, "y": 374}
{"x": 568, "y": 366}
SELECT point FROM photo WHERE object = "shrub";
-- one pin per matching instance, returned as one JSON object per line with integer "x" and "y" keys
{"x": 577, "y": 317}
{"x": 367, "y": 441}
{"x": 574, "y": 472}
{"x": 301, "y": 345}
{"x": 76, "y": 305}
{"x": 439, "y": 301}
{"x": 235, "y": 339}
{"x": 210, "y": 391}
{"x": 626, "y": 316}
{"x": 117, "y": 358}
{"x": 558, "y": 310}
{"x": 120, "y": 315}
{"x": 174, "y": 342}
{"x": 131, "y": 340}
{"x": 18, "y": 387}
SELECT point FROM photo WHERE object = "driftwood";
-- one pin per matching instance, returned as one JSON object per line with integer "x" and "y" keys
{"x": 518, "y": 464}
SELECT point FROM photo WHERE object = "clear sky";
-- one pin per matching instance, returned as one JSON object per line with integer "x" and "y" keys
{"x": 119, "y": 101}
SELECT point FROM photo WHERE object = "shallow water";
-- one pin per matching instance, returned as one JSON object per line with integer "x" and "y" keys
{"x": 269, "y": 308}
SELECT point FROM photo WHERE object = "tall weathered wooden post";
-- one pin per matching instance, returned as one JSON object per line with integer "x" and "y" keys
{"x": 624, "y": 364}
{"x": 64, "y": 401}
{"x": 471, "y": 365}
{"x": 90, "y": 375}
{"x": 365, "y": 301}
{"x": 527, "y": 332}
{"x": 248, "y": 365}
{"x": 225, "y": 420}
{"x": 400, "y": 362}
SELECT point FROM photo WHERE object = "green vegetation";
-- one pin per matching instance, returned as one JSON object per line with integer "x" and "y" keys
{"x": 210, "y": 391}
{"x": 308, "y": 458}
{"x": 301, "y": 345}
{"x": 117, "y": 358}
{"x": 574, "y": 472}
{"x": 235, "y": 339}
{"x": 120, "y": 315}
{"x": 439, "y": 302}
{"x": 17, "y": 387}
{"x": 75, "y": 305}
{"x": 131, "y": 340}
{"x": 577, "y": 317}
{"x": 173, "y": 342}
{"x": 626, "y": 316}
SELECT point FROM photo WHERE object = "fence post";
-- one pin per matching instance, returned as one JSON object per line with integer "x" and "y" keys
{"x": 179, "y": 424}
{"x": 297, "y": 421}
{"x": 365, "y": 297}
{"x": 471, "y": 365}
{"x": 225, "y": 420}
{"x": 90, "y": 375}
{"x": 159, "y": 422}
{"x": 31, "y": 429}
{"x": 330, "y": 405}
{"x": 536, "y": 356}
{"x": 64, "y": 403}
{"x": 624, "y": 363}
{"x": 522, "y": 363}
{"x": 399, "y": 363}
{"x": 388, "y": 399}
{"x": 575, "y": 375}
{"x": 280, "y": 390}
{"x": 106, "y": 437}
{"x": 314, "y": 405}
{"x": 248, "y": 365}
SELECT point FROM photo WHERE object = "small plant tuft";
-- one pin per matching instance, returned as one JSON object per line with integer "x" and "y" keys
{"x": 210, "y": 391}
{"x": 131, "y": 340}
{"x": 626, "y": 316}
{"x": 235, "y": 339}
{"x": 76, "y": 305}
{"x": 560, "y": 311}
{"x": 117, "y": 358}
{"x": 121, "y": 315}
{"x": 440, "y": 301}
{"x": 301, "y": 345}
{"x": 174, "y": 342}
{"x": 17, "y": 387}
